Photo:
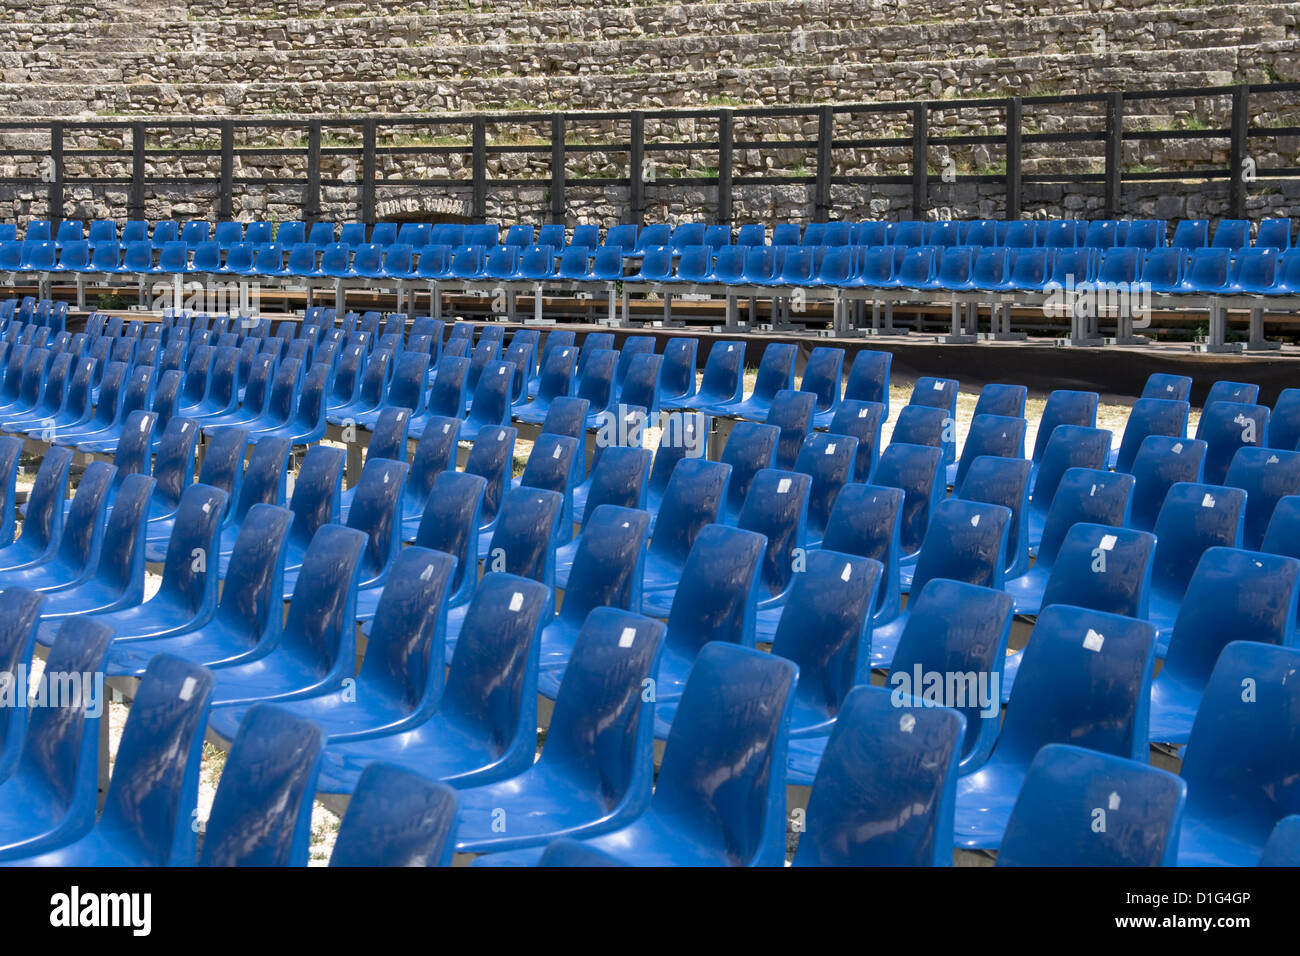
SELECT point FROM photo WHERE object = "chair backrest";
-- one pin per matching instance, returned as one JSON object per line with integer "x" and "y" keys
{"x": 156, "y": 769}
{"x": 1150, "y": 416}
{"x": 692, "y": 501}
{"x": 261, "y": 814}
{"x": 733, "y": 714}
{"x": 886, "y": 786}
{"x": 1085, "y": 679}
{"x": 1102, "y": 568}
{"x": 1266, "y": 475}
{"x": 386, "y": 793}
{"x": 717, "y": 597}
{"x": 1240, "y": 764}
{"x": 825, "y": 629}
{"x": 450, "y": 523}
{"x": 1160, "y": 463}
{"x": 1193, "y": 518}
{"x": 1077, "y": 807}
{"x": 777, "y": 508}
{"x": 1064, "y": 407}
{"x": 914, "y": 469}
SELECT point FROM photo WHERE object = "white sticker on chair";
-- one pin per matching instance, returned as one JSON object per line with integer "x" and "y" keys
{"x": 1092, "y": 491}
{"x": 974, "y": 521}
{"x": 1177, "y": 448}
{"x": 1272, "y": 460}
{"x": 516, "y": 601}
{"x": 938, "y": 386}
{"x": 862, "y": 412}
{"x": 830, "y": 449}
{"x": 1092, "y": 641}
{"x": 1107, "y": 542}
{"x": 427, "y": 573}
{"x": 1113, "y": 802}
{"x": 627, "y": 637}
{"x": 847, "y": 572}
{"x": 783, "y": 486}
{"x": 907, "y": 723}
{"x": 556, "y": 453}
{"x": 1207, "y": 501}
{"x": 187, "y": 688}
{"x": 446, "y": 427}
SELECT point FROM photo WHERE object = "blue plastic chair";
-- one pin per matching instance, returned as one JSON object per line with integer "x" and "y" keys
{"x": 714, "y": 602}
{"x": 426, "y": 815}
{"x": 1283, "y": 846}
{"x": 1233, "y": 595}
{"x": 1085, "y": 679}
{"x": 1077, "y": 807}
{"x": 829, "y": 460}
{"x": 884, "y": 793}
{"x": 1160, "y": 463}
{"x": 965, "y": 541}
{"x": 148, "y": 816}
{"x": 1064, "y": 407}
{"x": 1193, "y": 519}
{"x": 399, "y": 682}
{"x": 722, "y": 382}
{"x": 484, "y": 728}
{"x": 1266, "y": 475}
{"x": 20, "y": 611}
{"x": 1241, "y": 764}
{"x": 50, "y": 798}
{"x": 1005, "y": 482}
{"x": 596, "y": 768}
{"x": 1071, "y": 446}
{"x": 1226, "y": 427}
{"x": 261, "y": 814}
{"x": 825, "y": 630}
{"x": 317, "y": 649}
{"x": 719, "y": 799}
{"x": 693, "y": 500}
{"x": 914, "y": 469}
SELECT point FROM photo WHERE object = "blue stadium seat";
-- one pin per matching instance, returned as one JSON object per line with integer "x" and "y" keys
{"x": 730, "y": 737}
{"x": 694, "y": 498}
{"x": 1160, "y": 463}
{"x": 1071, "y": 446}
{"x": 1233, "y": 595}
{"x": 792, "y": 413}
{"x": 965, "y": 541}
{"x": 385, "y": 793}
{"x": 915, "y": 469}
{"x": 723, "y": 381}
{"x": 1005, "y": 482}
{"x": 1078, "y": 807}
{"x": 1241, "y": 764}
{"x": 862, "y": 421}
{"x": 396, "y": 684}
{"x": 148, "y": 816}
{"x": 825, "y": 630}
{"x": 20, "y": 611}
{"x": 484, "y": 728}
{"x": 1266, "y": 475}
{"x": 1194, "y": 518}
{"x": 596, "y": 767}
{"x": 1149, "y": 416}
{"x": 998, "y": 436}
{"x": 1283, "y": 846}
{"x": 1086, "y": 680}
{"x": 50, "y": 798}
{"x": 884, "y": 793}
{"x": 261, "y": 814}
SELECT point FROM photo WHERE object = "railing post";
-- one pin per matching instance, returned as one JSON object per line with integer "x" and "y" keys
{"x": 726, "y": 141}
{"x": 478, "y": 202}
{"x": 368, "y": 172}
{"x": 135, "y": 204}
{"x": 1238, "y": 152}
{"x": 558, "y": 205}
{"x": 55, "y": 201}
{"x": 1014, "y": 130}
{"x": 636, "y": 169}
{"x": 226, "y": 196}
{"x": 1114, "y": 153}
{"x": 311, "y": 192}
{"x": 822, "y": 186}
{"x": 920, "y": 159}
